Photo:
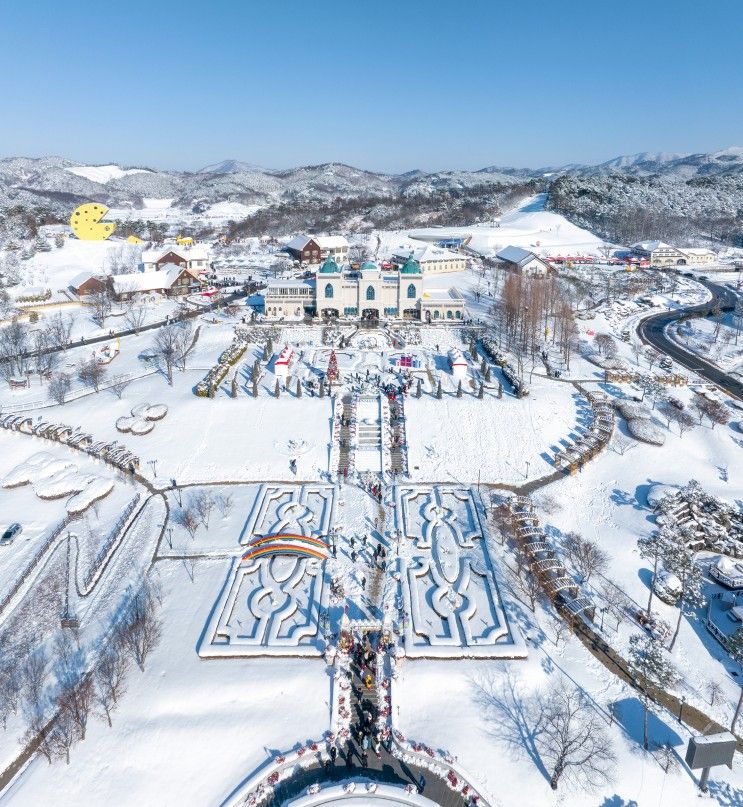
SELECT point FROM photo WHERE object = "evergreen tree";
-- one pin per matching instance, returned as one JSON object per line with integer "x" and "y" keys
{"x": 481, "y": 392}
{"x": 500, "y": 388}
{"x": 735, "y": 648}
{"x": 654, "y": 547}
{"x": 299, "y": 388}
{"x": 234, "y": 386}
{"x": 322, "y": 389}
{"x": 255, "y": 388}
{"x": 487, "y": 374}
{"x": 679, "y": 560}
{"x": 459, "y": 389}
{"x": 268, "y": 350}
{"x": 277, "y": 389}
{"x": 438, "y": 390}
{"x": 419, "y": 389}
{"x": 483, "y": 366}
{"x": 650, "y": 666}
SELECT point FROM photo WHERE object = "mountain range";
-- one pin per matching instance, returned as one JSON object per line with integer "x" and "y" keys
{"x": 57, "y": 183}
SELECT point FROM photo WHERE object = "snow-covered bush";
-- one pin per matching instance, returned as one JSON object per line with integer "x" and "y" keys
{"x": 646, "y": 431}
{"x": 633, "y": 410}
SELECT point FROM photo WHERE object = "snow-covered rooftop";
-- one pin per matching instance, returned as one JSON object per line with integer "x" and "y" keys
{"x": 425, "y": 253}
{"x": 515, "y": 255}
{"x": 651, "y": 246}
{"x": 197, "y": 252}
{"x": 149, "y": 281}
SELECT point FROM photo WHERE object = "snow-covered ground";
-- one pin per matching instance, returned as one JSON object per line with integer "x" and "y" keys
{"x": 192, "y": 727}
{"x": 529, "y": 227}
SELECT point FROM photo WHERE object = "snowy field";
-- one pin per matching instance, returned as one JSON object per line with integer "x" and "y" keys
{"x": 529, "y": 227}
{"x": 188, "y": 731}
{"x": 243, "y": 670}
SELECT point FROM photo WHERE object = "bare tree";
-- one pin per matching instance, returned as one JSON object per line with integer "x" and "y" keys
{"x": 100, "y": 302}
{"x": 683, "y": 420}
{"x": 118, "y": 385}
{"x": 574, "y": 741}
{"x": 14, "y": 346}
{"x": 652, "y": 357}
{"x": 621, "y": 444}
{"x": 75, "y": 692}
{"x": 171, "y": 346}
{"x": 91, "y": 372}
{"x": 62, "y": 734}
{"x": 527, "y": 584}
{"x": 604, "y": 342}
{"x": 59, "y": 387}
{"x": 135, "y": 314}
{"x": 141, "y": 628}
{"x": 585, "y": 555}
{"x": 10, "y": 680}
{"x": 717, "y": 413}
{"x": 224, "y": 504}
{"x": 714, "y": 691}
{"x": 109, "y": 675}
{"x": 616, "y": 600}
{"x": 666, "y": 756}
{"x": 59, "y": 329}
{"x": 188, "y": 517}
{"x": 203, "y": 503}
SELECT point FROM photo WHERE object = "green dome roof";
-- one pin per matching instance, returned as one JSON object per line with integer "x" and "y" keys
{"x": 329, "y": 267}
{"x": 410, "y": 267}
{"x": 366, "y": 265}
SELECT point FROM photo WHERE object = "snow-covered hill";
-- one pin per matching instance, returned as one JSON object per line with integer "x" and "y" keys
{"x": 667, "y": 191}
{"x": 104, "y": 173}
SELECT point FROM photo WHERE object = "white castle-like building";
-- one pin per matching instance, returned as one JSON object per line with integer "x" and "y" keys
{"x": 367, "y": 293}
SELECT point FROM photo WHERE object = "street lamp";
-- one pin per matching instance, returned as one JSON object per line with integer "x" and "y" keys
{"x": 681, "y": 707}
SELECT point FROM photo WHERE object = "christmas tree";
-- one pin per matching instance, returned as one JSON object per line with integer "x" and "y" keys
{"x": 332, "y": 374}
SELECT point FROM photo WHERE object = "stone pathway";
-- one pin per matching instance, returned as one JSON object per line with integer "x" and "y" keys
{"x": 345, "y": 435}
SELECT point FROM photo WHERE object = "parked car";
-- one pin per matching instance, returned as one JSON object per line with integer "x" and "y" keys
{"x": 667, "y": 587}
{"x": 9, "y": 534}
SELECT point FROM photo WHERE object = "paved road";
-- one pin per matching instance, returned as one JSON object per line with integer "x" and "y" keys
{"x": 652, "y": 331}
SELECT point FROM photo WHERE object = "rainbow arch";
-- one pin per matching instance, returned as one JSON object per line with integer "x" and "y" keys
{"x": 286, "y": 544}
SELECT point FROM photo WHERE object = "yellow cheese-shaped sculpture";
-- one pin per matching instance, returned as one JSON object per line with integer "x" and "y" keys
{"x": 86, "y": 223}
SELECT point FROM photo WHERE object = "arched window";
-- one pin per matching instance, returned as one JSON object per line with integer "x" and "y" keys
{"x": 436, "y": 314}
{"x": 370, "y": 293}
{"x": 448, "y": 314}
{"x": 458, "y": 315}
{"x": 411, "y": 291}
{"x": 329, "y": 290}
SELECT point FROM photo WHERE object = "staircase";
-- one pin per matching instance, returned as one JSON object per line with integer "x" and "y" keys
{"x": 368, "y": 433}
{"x": 344, "y": 450}
{"x": 399, "y": 449}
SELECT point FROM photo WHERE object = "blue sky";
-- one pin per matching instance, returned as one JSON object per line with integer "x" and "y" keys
{"x": 383, "y": 85}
